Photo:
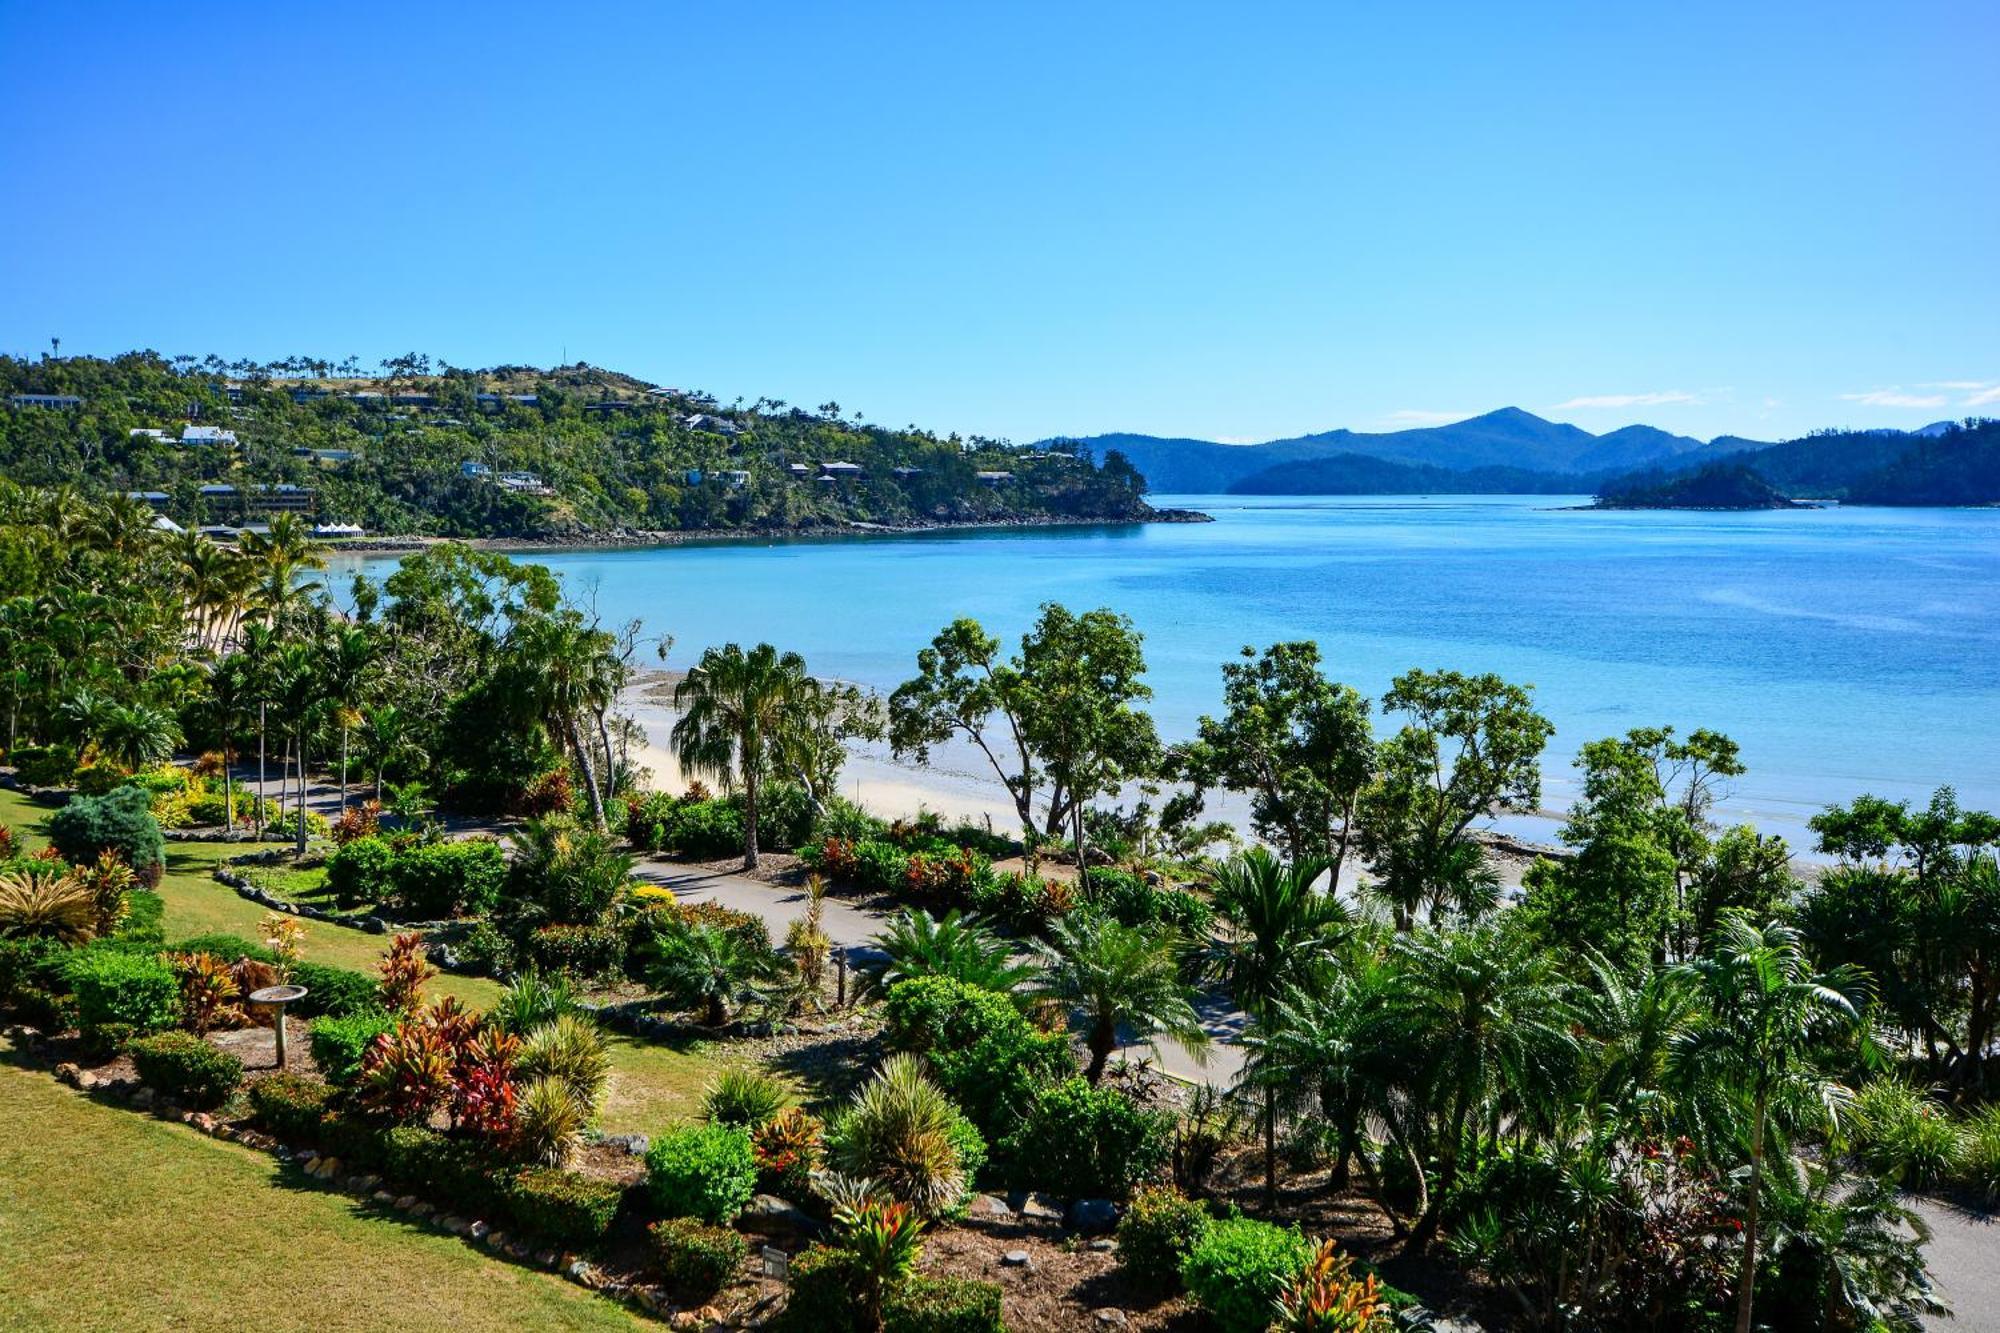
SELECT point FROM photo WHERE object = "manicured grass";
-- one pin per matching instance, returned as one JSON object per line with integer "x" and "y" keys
{"x": 113, "y": 1220}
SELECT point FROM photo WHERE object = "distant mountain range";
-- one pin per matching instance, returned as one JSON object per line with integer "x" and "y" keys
{"x": 1512, "y": 450}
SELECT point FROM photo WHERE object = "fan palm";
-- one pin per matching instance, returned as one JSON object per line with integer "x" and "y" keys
{"x": 732, "y": 705}
{"x": 1760, "y": 1009}
{"x": 138, "y": 735}
{"x": 1113, "y": 977}
{"x": 917, "y": 944}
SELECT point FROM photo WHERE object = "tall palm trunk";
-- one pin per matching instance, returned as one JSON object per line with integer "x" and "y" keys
{"x": 751, "y": 781}
{"x": 343, "y": 767}
{"x": 259, "y": 805}
{"x": 1746, "y": 1282}
{"x": 300, "y": 841}
{"x": 583, "y": 761}
{"x": 1103, "y": 1041}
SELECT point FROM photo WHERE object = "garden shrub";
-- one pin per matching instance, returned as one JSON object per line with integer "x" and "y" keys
{"x": 30, "y": 962}
{"x": 695, "y": 1259}
{"x": 361, "y": 871}
{"x": 902, "y": 1131}
{"x": 334, "y": 992}
{"x": 646, "y": 820}
{"x": 144, "y": 919}
{"x": 340, "y": 1043}
{"x": 704, "y": 1171}
{"x": 704, "y": 830}
{"x": 360, "y": 1143}
{"x": 445, "y": 1170}
{"x": 1082, "y": 1141}
{"x": 1159, "y": 1230}
{"x": 486, "y": 948}
{"x": 1979, "y": 1151}
{"x": 789, "y": 1148}
{"x": 1239, "y": 1267}
{"x": 186, "y": 1069}
{"x": 119, "y": 821}
{"x": 225, "y": 947}
{"x": 578, "y": 951}
{"x": 981, "y": 1050}
{"x": 922, "y": 1304}
{"x": 1130, "y": 900}
{"x": 843, "y": 819}
{"x": 446, "y": 879}
{"x": 822, "y": 1292}
{"x": 290, "y": 1106}
{"x": 123, "y": 986}
{"x": 566, "y": 1208}
{"x": 1902, "y": 1134}
{"x": 784, "y": 816}
{"x": 743, "y": 1097}
{"x": 44, "y": 765}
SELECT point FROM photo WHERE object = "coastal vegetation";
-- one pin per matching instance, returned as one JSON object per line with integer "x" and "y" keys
{"x": 413, "y": 447}
{"x": 1676, "y": 1086}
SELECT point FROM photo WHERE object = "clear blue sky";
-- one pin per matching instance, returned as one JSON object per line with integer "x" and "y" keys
{"x": 1229, "y": 221}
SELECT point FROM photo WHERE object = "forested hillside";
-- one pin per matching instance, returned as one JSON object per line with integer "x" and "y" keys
{"x": 512, "y": 452}
{"x": 1953, "y": 464}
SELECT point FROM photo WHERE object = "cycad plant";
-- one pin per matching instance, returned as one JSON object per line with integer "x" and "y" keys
{"x": 1114, "y": 978}
{"x": 917, "y": 944}
{"x": 706, "y": 968}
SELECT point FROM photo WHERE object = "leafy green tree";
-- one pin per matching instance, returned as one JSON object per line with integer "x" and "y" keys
{"x": 1471, "y": 747}
{"x": 1297, "y": 742}
{"x": 1058, "y": 722}
{"x": 1113, "y": 979}
{"x": 732, "y": 704}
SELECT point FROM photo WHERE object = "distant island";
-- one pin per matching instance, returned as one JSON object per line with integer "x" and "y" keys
{"x": 514, "y": 453}
{"x": 1512, "y": 451}
{"x": 1715, "y": 486}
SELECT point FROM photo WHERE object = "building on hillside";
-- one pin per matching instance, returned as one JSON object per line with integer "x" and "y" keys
{"x": 148, "y": 433}
{"x": 283, "y": 498}
{"x": 526, "y": 483}
{"x": 841, "y": 471}
{"x": 472, "y": 471}
{"x": 799, "y": 470}
{"x": 905, "y": 473}
{"x": 735, "y": 480}
{"x": 605, "y": 407}
{"x": 55, "y": 400}
{"x": 993, "y": 478}
{"x": 712, "y": 424}
{"x": 156, "y": 500}
{"x": 329, "y": 457}
{"x": 692, "y": 476}
{"x": 413, "y": 400}
{"x": 204, "y": 437}
{"x": 161, "y": 523}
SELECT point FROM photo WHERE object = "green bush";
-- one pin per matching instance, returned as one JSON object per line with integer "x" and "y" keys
{"x": 144, "y": 920}
{"x": 360, "y": 1143}
{"x": 334, "y": 992}
{"x": 486, "y": 948}
{"x": 120, "y": 821}
{"x": 445, "y": 879}
{"x": 646, "y": 820}
{"x": 1979, "y": 1151}
{"x": 224, "y": 947}
{"x": 44, "y": 765}
{"x": 1238, "y": 1268}
{"x": 923, "y": 1304}
{"x": 362, "y": 871}
{"x": 704, "y": 830}
{"x": 186, "y": 1069}
{"x": 704, "y": 1171}
{"x": 1129, "y": 899}
{"x": 121, "y": 986}
{"x": 1083, "y": 1141}
{"x": 822, "y": 1293}
{"x": 339, "y": 1044}
{"x": 290, "y": 1106}
{"x": 578, "y": 951}
{"x": 981, "y": 1050}
{"x": 455, "y": 1173}
{"x": 1160, "y": 1229}
{"x": 881, "y": 866}
{"x": 30, "y": 962}
{"x": 1902, "y": 1134}
{"x": 696, "y": 1260}
{"x": 573, "y": 874}
{"x": 566, "y": 1208}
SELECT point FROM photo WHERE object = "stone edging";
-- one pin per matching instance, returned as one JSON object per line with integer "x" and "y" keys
{"x": 573, "y": 1267}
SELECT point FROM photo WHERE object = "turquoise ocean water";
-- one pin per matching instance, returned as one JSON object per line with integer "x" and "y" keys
{"x": 1846, "y": 649}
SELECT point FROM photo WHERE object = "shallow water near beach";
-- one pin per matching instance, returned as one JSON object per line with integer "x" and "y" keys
{"x": 1848, "y": 650}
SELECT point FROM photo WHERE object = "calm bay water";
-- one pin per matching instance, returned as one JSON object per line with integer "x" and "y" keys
{"x": 1848, "y": 650}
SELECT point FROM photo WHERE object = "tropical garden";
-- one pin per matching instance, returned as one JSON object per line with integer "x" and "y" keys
{"x": 1121, "y": 1065}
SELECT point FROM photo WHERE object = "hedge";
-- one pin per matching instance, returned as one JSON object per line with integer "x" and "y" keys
{"x": 695, "y": 1259}
{"x": 119, "y": 986}
{"x": 290, "y": 1106}
{"x": 186, "y": 1069}
{"x": 565, "y": 1207}
{"x": 704, "y": 1171}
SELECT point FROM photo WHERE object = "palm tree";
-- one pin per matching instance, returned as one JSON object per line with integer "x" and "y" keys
{"x": 1488, "y": 1025}
{"x": 229, "y": 688}
{"x": 732, "y": 704}
{"x": 1111, "y": 976}
{"x": 1760, "y": 1008}
{"x": 138, "y": 735}
{"x": 297, "y": 691}
{"x": 387, "y": 739}
{"x": 345, "y": 666}
{"x": 1279, "y": 934}
{"x": 568, "y": 665}
{"x": 917, "y": 944}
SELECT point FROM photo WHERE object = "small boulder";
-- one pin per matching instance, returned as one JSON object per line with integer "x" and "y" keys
{"x": 1016, "y": 1259}
{"x": 1093, "y": 1216}
{"x": 770, "y": 1215}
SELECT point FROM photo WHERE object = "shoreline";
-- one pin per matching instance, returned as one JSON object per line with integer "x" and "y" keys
{"x": 650, "y": 539}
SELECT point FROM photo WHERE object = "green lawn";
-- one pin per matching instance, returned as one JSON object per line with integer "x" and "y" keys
{"x": 113, "y": 1220}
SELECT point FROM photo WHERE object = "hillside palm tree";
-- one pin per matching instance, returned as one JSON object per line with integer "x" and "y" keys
{"x": 1112, "y": 977}
{"x": 732, "y": 704}
{"x": 1760, "y": 1009}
